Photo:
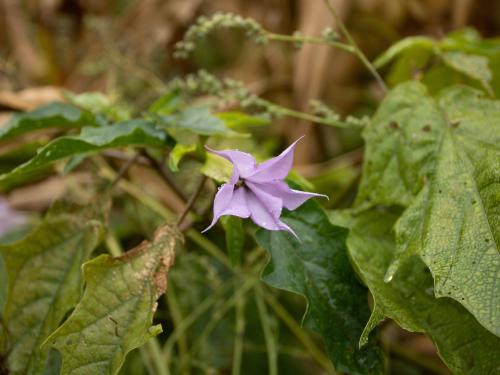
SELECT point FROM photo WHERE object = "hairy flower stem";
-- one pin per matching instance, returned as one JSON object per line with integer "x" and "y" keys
{"x": 356, "y": 50}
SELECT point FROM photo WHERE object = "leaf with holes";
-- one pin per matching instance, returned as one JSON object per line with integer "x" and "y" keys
{"x": 318, "y": 268}
{"x": 465, "y": 346}
{"x": 116, "y": 311}
{"x": 441, "y": 159}
{"x": 44, "y": 281}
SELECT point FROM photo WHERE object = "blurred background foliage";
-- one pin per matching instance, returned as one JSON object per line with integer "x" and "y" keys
{"x": 124, "y": 49}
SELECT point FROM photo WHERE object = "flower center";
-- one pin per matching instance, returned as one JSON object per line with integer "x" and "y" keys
{"x": 240, "y": 183}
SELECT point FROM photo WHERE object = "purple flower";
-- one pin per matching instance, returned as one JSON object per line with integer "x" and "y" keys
{"x": 258, "y": 191}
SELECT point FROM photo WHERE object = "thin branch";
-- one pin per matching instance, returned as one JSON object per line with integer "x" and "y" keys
{"x": 353, "y": 43}
{"x": 192, "y": 200}
{"x": 125, "y": 167}
{"x": 164, "y": 174}
{"x": 271, "y": 347}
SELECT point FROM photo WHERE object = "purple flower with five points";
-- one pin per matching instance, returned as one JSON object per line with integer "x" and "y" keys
{"x": 257, "y": 191}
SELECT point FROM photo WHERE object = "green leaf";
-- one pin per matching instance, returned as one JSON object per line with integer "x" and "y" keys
{"x": 318, "y": 268}
{"x": 44, "y": 281}
{"x": 129, "y": 133}
{"x": 116, "y": 310}
{"x": 235, "y": 238}
{"x": 197, "y": 120}
{"x": 473, "y": 66}
{"x": 465, "y": 346}
{"x": 167, "y": 104}
{"x": 98, "y": 103}
{"x": 237, "y": 120}
{"x": 55, "y": 115}
{"x": 442, "y": 161}
{"x": 217, "y": 168}
{"x": 401, "y": 145}
{"x": 177, "y": 153}
{"x": 403, "y": 45}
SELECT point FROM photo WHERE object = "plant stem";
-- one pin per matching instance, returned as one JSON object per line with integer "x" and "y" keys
{"x": 192, "y": 200}
{"x": 222, "y": 310}
{"x": 123, "y": 170}
{"x": 302, "y": 115}
{"x": 297, "y": 330}
{"x": 309, "y": 39}
{"x": 176, "y": 313}
{"x": 239, "y": 337}
{"x": 272, "y": 350}
{"x": 164, "y": 174}
{"x": 357, "y": 51}
{"x": 191, "y": 318}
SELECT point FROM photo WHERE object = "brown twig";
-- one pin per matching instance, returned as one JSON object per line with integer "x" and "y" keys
{"x": 164, "y": 174}
{"x": 192, "y": 200}
{"x": 124, "y": 169}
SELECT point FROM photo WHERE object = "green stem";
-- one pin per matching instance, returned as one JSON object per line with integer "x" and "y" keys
{"x": 191, "y": 318}
{"x": 209, "y": 247}
{"x": 239, "y": 337}
{"x": 310, "y": 40}
{"x": 272, "y": 350}
{"x": 302, "y": 115}
{"x": 297, "y": 330}
{"x": 221, "y": 311}
{"x": 357, "y": 51}
{"x": 176, "y": 313}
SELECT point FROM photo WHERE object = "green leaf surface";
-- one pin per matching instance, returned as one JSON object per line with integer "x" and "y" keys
{"x": 403, "y": 45}
{"x": 473, "y": 66}
{"x": 318, "y": 268}
{"x": 217, "y": 168}
{"x": 197, "y": 120}
{"x": 115, "y": 314}
{"x": 238, "y": 120}
{"x": 129, "y": 133}
{"x": 441, "y": 159}
{"x": 178, "y": 152}
{"x": 401, "y": 146}
{"x": 235, "y": 238}
{"x": 99, "y": 104}
{"x": 55, "y": 115}
{"x": 465, "y": 346}
{"x": 44, "y": 281}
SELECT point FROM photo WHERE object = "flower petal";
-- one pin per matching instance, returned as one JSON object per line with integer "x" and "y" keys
{"x": 244, "y": 163}
{"x": 276, "y": 168}
{"x": 291, "y": 198}
{"x": 265, "y": 209}
{"x": 229, "y": 201}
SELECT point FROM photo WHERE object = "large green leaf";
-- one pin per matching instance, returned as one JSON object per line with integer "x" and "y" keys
{"x": 401, "y": 146}
{"x": 129, "y": 133}
{"x": 318, "y": 268}
{"x": 116, "y": 310}
{"x": 465, "y": 346}
{"x": 55, "y": 115}
{"x": 44, "y": 282}
{"x": 442, "y": 160}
